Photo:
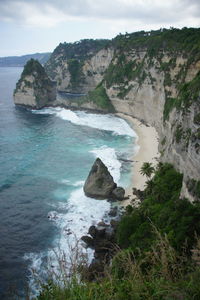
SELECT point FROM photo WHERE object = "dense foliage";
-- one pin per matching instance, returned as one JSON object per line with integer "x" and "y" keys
{"x": 100, "y": 98}
{"x": 81, "y": 49}
{"x": 189, "y": 92}
{"x": 171, "y": 40}
{"x": 41, "y": 83}
{"x": 154, "y": 264}
{"x": 33, "y": 66}
{"x": 75, "y": 70}
{"x": 163, "y": 209}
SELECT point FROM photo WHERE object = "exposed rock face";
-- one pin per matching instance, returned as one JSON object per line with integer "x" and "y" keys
{"x": 34, "y": 88}
{"x": 179, "y": 137}
{"x": 99, "y": 183}
{"x": 79, "y": 67}
{"x": 118, "y": 193}
{"x": 156, "y": 78}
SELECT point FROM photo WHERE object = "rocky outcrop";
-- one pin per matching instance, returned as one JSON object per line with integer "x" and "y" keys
{"x": 152, "y": 76}
{"x": 79, "y": 67}
{"x": 100, "y": 183}
{"x": 34, "y": 89}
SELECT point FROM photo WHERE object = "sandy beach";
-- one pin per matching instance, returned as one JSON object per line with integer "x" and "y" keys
{"x": 147, "y": 152}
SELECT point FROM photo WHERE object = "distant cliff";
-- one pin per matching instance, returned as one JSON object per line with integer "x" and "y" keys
{"x": 34, "y": 88}
{"x": 20, "y": 61}
{"x": 153, "y": 76}
{"x": 79, "y": 67}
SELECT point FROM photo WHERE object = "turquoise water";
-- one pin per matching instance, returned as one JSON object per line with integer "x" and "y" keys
{"x": 45, "y": 156}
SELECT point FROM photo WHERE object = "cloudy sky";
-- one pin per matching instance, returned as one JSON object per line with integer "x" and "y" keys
{"x": 29, "y": 26}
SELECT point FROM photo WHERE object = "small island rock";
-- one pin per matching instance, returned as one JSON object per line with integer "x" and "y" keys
{"x": 34, "y": 89}
{"x": 99, "y": 183}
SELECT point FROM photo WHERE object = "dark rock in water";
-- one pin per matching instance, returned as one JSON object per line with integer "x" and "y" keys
{"x": 102, "y": 224}
{"x": 88, "y": 240}
{"x": 99, "y": 183}
{"x": 92, "y": 231}
{"x": 113, "y": 212}
{"x": 118, "y": 193}
{"x": 97, "y": 232}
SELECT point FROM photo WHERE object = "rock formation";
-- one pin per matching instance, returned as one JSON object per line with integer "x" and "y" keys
{"x": 100, "y": 183}
{"x": 154, "y": 77}
{"x": 34, "y": 89}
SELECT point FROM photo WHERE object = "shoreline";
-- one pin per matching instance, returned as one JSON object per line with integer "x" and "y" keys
{"x": 147, "y": 144}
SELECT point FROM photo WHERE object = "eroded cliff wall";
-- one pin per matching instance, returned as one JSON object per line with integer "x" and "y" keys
{"x": 34, "y": 89}
{"x": 152, "y": 76}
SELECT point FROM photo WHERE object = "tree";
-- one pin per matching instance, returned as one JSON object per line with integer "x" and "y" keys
{"x": 147, "y": 169}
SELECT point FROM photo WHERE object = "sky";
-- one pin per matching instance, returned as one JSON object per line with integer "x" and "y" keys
{"x": 30, "y": 26}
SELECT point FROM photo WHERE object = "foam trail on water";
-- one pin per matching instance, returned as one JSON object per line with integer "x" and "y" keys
{"x": 80, "y": 212}
{"x": 106, "y": 122}
{"x": 109, "y": 158}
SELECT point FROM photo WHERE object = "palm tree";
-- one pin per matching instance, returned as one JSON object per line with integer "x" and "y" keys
{"x": 147, "y": 169}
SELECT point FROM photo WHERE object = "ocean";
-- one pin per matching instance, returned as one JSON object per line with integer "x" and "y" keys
{"x": 45, "y": 157}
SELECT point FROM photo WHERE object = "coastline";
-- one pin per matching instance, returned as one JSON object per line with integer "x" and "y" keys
{"x": 147, "y": 143}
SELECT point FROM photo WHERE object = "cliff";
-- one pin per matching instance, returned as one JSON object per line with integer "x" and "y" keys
{"x": 153, "y": 76}
{"x": 79, "y": 67}
{"x": 34, "y": 88}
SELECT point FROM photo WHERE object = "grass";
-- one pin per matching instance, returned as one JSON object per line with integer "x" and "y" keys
{"x": 159, "y": 254}
{"x": 160, "y": 273}
{"x": 99, "y": 97}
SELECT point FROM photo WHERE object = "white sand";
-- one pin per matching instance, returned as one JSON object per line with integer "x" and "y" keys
{"x": 147, "y": 152}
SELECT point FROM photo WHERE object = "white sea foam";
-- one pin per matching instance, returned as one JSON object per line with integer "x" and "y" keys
{"x": 79, "y": 183}
{"x": 109, "y": 158}
{"x": 78, "y": 212}
{"x": 64, "y": 181}
{"x": 74, "y": 223}
{"x": 106, "y": 122}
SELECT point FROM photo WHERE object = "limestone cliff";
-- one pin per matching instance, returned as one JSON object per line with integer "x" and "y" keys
{"x": 34, "y": 88}
{"x": 152, "y": 76}
{"x": 79, "y": 67}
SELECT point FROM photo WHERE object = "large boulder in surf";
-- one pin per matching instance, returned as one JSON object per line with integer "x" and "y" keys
{"x": 118, "y": 193}
{"x": 34, "y": 89}
{"x": 99, "y": 183}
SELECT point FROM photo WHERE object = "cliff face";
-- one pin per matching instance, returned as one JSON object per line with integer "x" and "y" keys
{"x": 173, "y": 111}
{"x": 34, "y": 89}
{"x": 153, "y": 77}
{"x": 79, "y": 67}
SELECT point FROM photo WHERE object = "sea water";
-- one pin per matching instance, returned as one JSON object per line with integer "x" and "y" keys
{"x": 45, "y": 157}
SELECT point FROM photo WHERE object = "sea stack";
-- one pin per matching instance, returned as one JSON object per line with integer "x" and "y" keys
{"x": 100, "y": 183}
{"x": 34, "y": 89}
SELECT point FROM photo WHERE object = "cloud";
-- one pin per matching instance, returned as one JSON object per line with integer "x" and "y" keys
{"x": 49, "y": 13}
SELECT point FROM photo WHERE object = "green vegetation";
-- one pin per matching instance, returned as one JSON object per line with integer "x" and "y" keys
{"x": 82, "y": 49}
{"x": 177, "y": 218}
{"x": 123, "y": 71}
{"x": 75, "y": 70}
{"x": 170, "y": 40}
{"x": 100, "y": 98}
{"x": 35, "y": 69}
{"x": 156, "y": 275}
{"x": 78, "y": 51}
{"x": 152, "y": 264}
{"x": 147, "y": 169}
{"x": 189, "y": 92}
{"x": 179, "y": 133}
{"x": 33, "y": 66}
{"x": 197, "y": 119}
{"x": 194, "y": 188}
